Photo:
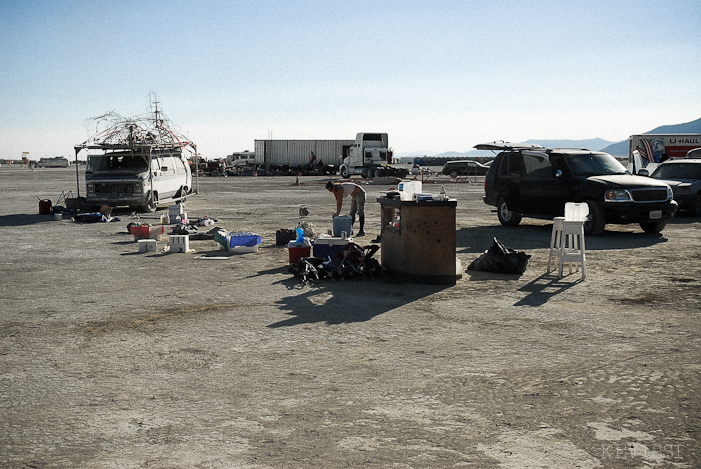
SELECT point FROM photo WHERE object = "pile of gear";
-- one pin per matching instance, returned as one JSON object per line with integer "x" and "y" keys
{"x": 353, "y": 262}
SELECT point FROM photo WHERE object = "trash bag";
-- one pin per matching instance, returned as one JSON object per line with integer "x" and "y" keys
{"x": 501, "y": 259}
{"x": 181, "y": 229}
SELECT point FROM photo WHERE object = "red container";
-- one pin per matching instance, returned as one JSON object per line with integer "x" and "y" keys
{"x": 147, "y": 232}
{"x": 296, "y": 253}
{"x": 45, "y": 207}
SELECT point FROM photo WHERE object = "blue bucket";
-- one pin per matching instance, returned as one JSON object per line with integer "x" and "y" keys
{"x": 342, "y": 223}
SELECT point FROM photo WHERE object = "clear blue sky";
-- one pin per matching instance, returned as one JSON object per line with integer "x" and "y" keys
{"x": 438, "y": 75}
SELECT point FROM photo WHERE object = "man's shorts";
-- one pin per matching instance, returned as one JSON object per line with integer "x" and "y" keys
{"x": 358, "y": 204}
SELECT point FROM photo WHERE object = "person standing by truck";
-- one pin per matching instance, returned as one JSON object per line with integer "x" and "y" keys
{"x": 341, "y": 190}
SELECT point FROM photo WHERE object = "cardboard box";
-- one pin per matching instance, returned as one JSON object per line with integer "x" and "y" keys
{"x": 179, "y": 243}
{"x": 175, "y": 211}
{"x": 147, "y": 245}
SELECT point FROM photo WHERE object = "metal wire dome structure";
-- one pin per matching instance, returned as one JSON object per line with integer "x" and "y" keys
{"x": 152, "y": 128}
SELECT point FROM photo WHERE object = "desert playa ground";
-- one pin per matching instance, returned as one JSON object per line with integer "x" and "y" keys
{"x": 114, "y": 358}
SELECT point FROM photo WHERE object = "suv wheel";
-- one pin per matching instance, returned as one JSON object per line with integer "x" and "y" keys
{"x": 696, "y": 208}
{"x": 453, "y": 173}
{"x": 653, "y": 227}
{"x": 506, "y": 216}
{"x": 595, "y": 223}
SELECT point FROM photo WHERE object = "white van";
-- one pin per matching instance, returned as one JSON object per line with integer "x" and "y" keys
{"x": 141, "y": 177}
{"x": 55, "y": 162}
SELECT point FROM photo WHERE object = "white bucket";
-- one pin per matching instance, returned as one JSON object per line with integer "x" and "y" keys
{"x": 58, "y": 216}
{"x": 342, "y": 223}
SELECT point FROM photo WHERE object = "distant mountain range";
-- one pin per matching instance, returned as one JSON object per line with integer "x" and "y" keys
{"x": 596, "y": 144}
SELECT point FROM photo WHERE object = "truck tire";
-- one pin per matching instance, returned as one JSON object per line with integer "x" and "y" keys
{"x": 344, "y": 172}
{"x": 653, "y": 227}
{"x": 507, "y": 217}
{"x": 401, "y": 173}
{"x": 595, "y": 222}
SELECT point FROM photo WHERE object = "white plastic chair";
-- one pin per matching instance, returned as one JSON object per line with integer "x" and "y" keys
{"x": 567, "y": 239}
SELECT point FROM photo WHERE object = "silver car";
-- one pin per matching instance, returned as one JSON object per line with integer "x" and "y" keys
{"x": 683, "y": 175}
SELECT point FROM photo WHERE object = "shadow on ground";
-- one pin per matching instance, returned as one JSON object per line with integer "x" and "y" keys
{"x": 527, "y": 237}
{"x": 347, "y": 301}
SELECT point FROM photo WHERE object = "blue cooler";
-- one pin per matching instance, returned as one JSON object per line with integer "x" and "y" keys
{"x": 328, "y": 247}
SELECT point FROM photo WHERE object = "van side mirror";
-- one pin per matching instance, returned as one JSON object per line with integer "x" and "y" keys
{"x": 643, "y": 172}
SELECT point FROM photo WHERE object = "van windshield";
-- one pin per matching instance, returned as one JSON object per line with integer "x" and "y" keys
{"x": 118, "y": 162}
{"x": 594, "y": 165}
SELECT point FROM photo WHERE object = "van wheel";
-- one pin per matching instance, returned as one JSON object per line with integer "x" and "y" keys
{"x": 182, "y": 194}
{"x": 653, "y": 227}
{"x": 595, "y": 222}
{"x": 506, "y": 216}
{"x": 151, "y": 205}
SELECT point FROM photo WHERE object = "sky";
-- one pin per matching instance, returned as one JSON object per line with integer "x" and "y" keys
{"x": 435, "y": 75}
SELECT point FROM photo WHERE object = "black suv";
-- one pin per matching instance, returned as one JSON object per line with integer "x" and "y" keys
{"x": 533, "y": 181}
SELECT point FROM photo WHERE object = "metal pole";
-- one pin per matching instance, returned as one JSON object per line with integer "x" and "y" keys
{"x": 77, "y": 176}
{"x": 197, "y": 170}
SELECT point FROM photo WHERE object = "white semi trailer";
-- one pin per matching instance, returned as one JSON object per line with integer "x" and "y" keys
{"x": 300, "y": 156}
{"x": 370, "y": 157}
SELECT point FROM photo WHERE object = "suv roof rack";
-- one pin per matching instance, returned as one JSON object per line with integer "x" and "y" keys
{"x": 500, "y": 145}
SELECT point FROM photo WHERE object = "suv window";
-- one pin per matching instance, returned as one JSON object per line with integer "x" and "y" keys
{"x": 595, "y": 164}
{"x": 510, "y": 166}
{"x": 537, "y": 168}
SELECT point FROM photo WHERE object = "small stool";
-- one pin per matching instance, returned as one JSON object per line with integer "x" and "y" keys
{"x": 567, "y": 244}
{"x": 555, "y": 240}
{"x": 572, "y": 247}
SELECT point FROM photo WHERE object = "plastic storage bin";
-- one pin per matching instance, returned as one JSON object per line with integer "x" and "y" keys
{"x": 241, "y": 243}
{"x": 147, "y": 232}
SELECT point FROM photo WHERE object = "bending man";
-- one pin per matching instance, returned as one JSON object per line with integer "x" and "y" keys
{"x": 341, "y": 190}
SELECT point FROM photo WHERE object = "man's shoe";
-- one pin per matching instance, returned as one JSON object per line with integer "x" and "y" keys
{"x": 362, "y": 233}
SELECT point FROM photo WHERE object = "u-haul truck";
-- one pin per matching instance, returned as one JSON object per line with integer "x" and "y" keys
{"x": 649, "y": 149}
